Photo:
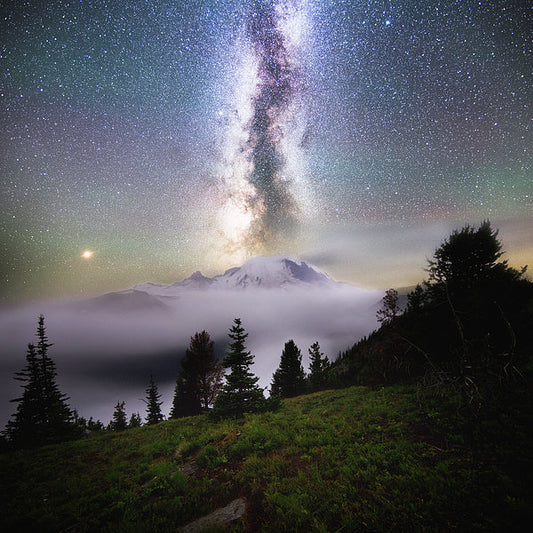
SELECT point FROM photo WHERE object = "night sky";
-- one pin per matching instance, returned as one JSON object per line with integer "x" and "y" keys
{"x": 164, "y": 137}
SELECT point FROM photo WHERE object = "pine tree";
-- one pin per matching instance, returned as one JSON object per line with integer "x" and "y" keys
{"x": 95, "y": 425}
{"x": 467, "y": 257}
{"x": 135, "y": 421}
{"x": 55, "y": 410}
{"x": 318, "y": 367}
{"x": 118, "y": 423}
{"x": 185, "y": 401}
{"x": 241, "y": 393}
{"x": 199, "y": 380}
{"x": 27, "y": 425}
{"x": 153, "y": 409}
{"x": 43, "y": 415}
{"x": 289, "y": 378}
{"x": 390, "y": 307}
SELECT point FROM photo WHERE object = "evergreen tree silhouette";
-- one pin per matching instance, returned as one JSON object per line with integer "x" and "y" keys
{"x": 153, "y": 403}
{"x": 288, "y": 380}
{"x": 27, "y": 425}
{"x": 135, "y": 421}
{"x": 118, "y": 423}
{"x": 43, "y": 415}
{"x": 241, "y": 393}
{"x": 55, "y": 410}
{"x": 199, "y": 380}
{"x": 318, "y": 367}
{"x": 185, "y": 401}
{"x": 390, "y": 309}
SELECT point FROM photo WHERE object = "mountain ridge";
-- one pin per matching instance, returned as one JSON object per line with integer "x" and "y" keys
{"x": 261, "y": 272}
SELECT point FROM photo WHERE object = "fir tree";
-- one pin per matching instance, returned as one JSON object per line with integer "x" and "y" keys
{"x": 153, "y": 403}
{"x": 185, "y": 401}
{"x": 55, "y": 410}
{"x": 199, "y": 380}
{"x": 318, "y": 367}
{"x": 241, "y": 393}
{"x": 93, "y": 425}
{"x": 27, "y": 425}
{"x": 390, "y": 307}
{"x": 118, "y": 423}
{"x": 467, "y": 257}
{"x": 135, "y": 421}
{"x": 289, "y": 378}
{"x": 43, "y": 415}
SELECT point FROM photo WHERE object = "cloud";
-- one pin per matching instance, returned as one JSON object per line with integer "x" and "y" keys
{"x": 103, "y": 357}
{"x": 381, "y": 256}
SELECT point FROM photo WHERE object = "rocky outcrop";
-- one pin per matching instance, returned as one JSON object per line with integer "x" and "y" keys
{"x": 233, "y": 511}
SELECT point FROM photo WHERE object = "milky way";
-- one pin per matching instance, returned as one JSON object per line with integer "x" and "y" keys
{"x": 263, "y": 209}
{"x": 168, "y": 137}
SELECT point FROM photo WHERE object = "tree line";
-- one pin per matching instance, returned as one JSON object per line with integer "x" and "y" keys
{"x": 226, "y": 388}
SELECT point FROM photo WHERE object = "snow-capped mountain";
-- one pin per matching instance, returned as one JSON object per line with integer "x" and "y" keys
{"x": 272, "y": 272}
{"x": 280, "y": 272}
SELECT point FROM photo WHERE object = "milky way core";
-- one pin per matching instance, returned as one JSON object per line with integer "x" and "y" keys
{"x": 264, "y": 164}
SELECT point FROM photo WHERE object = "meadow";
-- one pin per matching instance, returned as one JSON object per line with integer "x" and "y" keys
{"x": 354, "y": 459}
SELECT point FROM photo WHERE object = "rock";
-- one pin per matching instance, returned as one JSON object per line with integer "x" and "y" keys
{"x": 189, "y": 469}
{"x": 224, "y": 515}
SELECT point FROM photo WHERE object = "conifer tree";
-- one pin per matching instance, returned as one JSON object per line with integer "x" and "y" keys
{"x": 185, "y": 401}
{"x": 467, "y": 257}
{"x": 241, "y": 393}
{"x": 318, "y": 367}
{"x": 27, "y": 425}
{"x": 95, "y": 425}
{"x": 153, "y": 403}
{"x": 43, "y": 415}
{"x": 135, "y": 421}
{"x": 390, "y": 307}
{"x": 118, "y": 423}
{"x": 55, "y": 410}
{"x": 289, "y": 378}
{"x": 199, "y": 380}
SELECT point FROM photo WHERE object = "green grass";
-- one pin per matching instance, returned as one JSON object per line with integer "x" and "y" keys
{"x": 343, "y": 460}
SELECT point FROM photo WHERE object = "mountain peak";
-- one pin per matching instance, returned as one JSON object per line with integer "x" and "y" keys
{"x": 261, "y": 272}
{"x": 196, "y": 280}
{"x": 272, "y": 272}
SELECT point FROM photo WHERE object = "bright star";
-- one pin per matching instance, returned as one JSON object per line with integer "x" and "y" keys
{"x": 87, "y": 254}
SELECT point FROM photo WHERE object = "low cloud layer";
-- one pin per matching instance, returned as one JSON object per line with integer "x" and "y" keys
{"x": 104, "y": 356}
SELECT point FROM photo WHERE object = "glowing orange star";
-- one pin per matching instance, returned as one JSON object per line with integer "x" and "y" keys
{"x": 87, "y": 254}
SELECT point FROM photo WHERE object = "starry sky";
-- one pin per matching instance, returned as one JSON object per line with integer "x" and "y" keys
{"x": 144, "y": 140}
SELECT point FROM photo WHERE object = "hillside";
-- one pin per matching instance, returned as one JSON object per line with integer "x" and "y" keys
{"x": 352, "y": 460}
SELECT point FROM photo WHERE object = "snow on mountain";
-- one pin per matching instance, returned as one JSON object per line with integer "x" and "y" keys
{"x": 280, "y": 272}
{"x": 196, "y": 281}
{"x": 272, "y": 272}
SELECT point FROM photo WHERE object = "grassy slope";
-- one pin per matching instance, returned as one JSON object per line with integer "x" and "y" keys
{"x": 350, "y": 460}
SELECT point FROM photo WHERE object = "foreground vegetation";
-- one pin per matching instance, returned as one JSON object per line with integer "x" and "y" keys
{"x": 344, "y": 460}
